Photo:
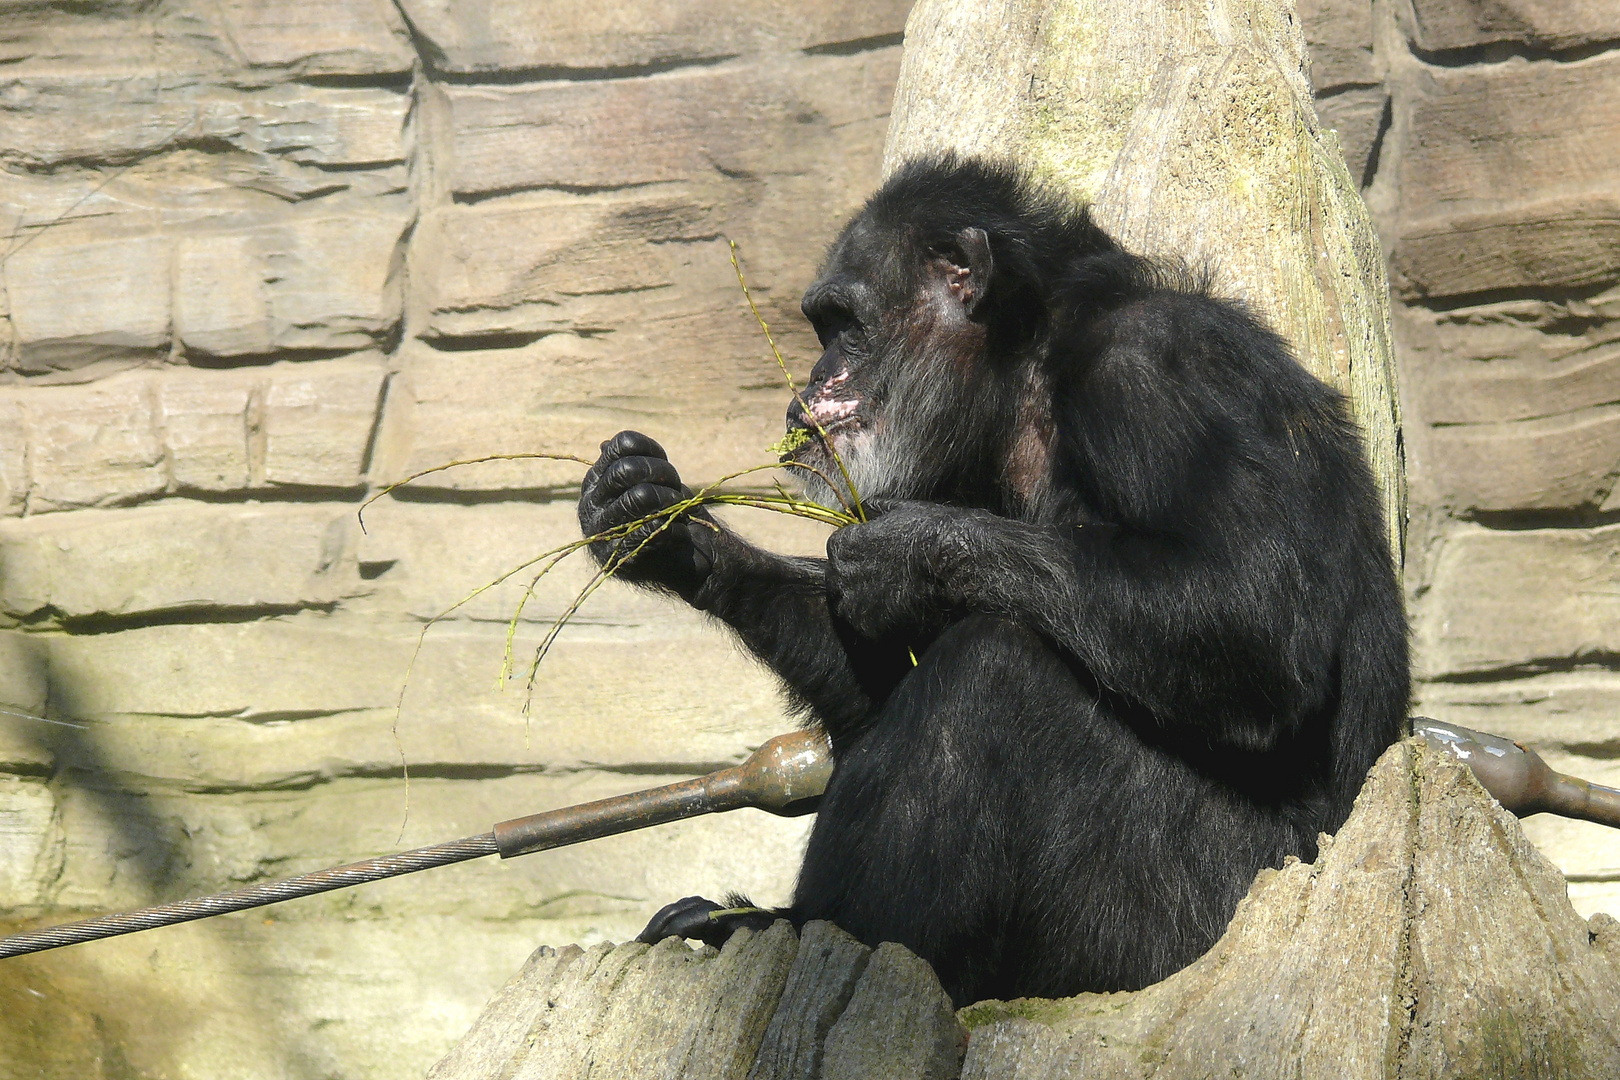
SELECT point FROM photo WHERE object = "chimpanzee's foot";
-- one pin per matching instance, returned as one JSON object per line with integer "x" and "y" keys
{"x": 705, "y": 920}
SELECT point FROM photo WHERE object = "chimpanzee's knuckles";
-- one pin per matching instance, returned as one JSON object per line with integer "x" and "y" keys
{"x": 632, "y": 444}
{"x": 618, "y": 499}
{"x": 627, "y": 472}
{"x": 638, "y": 502}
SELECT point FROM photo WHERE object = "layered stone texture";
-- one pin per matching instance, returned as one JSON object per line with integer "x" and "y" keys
{"x": 258, "y": 262}
{"x": 1495, "y": 183}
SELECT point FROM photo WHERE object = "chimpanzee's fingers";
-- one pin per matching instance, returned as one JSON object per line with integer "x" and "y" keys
{"x": 639, "y": 502}
{"x": 632, "y": 444}
{"x": 687, "y": 917}
{"x": 627, "y": 472}
{"x": 624, "y": 444}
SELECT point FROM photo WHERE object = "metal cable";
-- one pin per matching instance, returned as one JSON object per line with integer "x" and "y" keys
{"x": 269, "y": 892}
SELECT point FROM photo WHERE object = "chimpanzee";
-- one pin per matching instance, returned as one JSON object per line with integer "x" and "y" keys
{"x": 1123, "y": 627}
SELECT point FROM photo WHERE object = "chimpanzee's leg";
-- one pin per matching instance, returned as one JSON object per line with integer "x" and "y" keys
{"x": 1001, "y": 822}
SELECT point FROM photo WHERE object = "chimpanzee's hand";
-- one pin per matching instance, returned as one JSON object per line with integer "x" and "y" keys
{"x": 632, "y": 479}
{"x": 898, "y": 572}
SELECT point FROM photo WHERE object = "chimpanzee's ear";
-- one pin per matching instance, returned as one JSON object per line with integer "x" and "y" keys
{"x": 970, "y": 267}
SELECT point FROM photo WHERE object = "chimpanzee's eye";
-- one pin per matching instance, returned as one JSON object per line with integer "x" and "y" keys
{"x": 831, "y": 314}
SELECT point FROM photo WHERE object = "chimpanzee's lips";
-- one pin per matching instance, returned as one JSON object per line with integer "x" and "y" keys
{"x": 818, "y": 444}
{"x": 826, "y": 415}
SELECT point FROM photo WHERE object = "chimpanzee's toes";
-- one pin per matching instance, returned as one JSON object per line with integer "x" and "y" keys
{"x": 687, "y": 917}
{"x": 705, "y": 920}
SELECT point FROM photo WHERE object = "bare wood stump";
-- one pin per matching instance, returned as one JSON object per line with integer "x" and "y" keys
{"x": 769, "y": 1006}
{"x": 1429, "y": 939}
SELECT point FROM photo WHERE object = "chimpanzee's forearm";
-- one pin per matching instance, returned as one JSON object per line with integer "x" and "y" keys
{"x": 1104, "y": 595}
{"x": 777, "y": 605}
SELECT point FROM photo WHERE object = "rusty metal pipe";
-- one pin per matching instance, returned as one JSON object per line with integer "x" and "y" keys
{"x": 785, "y": 777}
{"x": 1518, "y": 778}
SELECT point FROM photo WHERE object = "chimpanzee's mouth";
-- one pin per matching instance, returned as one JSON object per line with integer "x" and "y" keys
{"x": 826, "y": 417}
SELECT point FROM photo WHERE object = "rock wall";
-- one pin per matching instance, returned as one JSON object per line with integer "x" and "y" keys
{"x": 1488, "y": 137}
{"x": 257, "y": 261}
{"x": 261, "y": 260}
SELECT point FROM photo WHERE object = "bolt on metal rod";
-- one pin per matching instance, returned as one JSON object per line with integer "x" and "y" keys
{"x": 1518, "y": 778}
{"x": 785, "y": 776}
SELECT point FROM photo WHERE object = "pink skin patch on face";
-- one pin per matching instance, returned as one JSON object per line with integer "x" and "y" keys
{"x": 828, "y": 411}
{"x": 827, "y": 406}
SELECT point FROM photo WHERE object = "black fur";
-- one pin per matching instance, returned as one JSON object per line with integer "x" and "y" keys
{"x": 1137, "y": 553}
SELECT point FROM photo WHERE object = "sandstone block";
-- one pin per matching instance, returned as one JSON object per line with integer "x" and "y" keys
{"x": 1439, "y": 25}
{"x": 30, "y": 841}
{"x": 564, "y": 394}
{"x": 220, "y": 295}
{"x": 205, "y": 417}
{"x": 241, "y": 42}
{"x": 531, "y": 35}
{"x": 1553, "y": 463}
{"x": 336, "y": 37}
{"x": 428, "y": 557}
{"x": 1514, "y": 360}
{"x": 13, "y": 454}
{"x": 633, "y": 703}
{"x": 94, "y": 445}
{"x": 84, "y": 291}
{"x": 24, "y": 674}
{"x": 339, "y": 282}
{"x": 670, "y": 127}
{"x": 1519, "y": 601}
{"x": 76, "y": 296}
{"x": 1339, "y": 35}
{"x": 301, "y": 283}
{"x": 55, "y": 119}
{"x": 1543, "y": 244}
{"x": 175, "y": 558}
{"x": 433, "y": 557}
{"x": 318, "y": 422}
{"x": 525, "y": 269}
{"x": 1507, "y": 178}
{"x": 266, "y": 671}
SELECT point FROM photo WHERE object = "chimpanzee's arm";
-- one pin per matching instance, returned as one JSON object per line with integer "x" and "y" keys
{"x": 1221, "y": 535}
{"x": 777, "y": 605}
{"x": 1169, "y": 628}
{"x": 779, "y": 609}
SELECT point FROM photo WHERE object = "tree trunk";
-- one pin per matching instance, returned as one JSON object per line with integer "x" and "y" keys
{"x": 1189, "y": 126}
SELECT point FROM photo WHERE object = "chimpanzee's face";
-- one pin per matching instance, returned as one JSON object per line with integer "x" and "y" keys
{"x": 897, "y": 391}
